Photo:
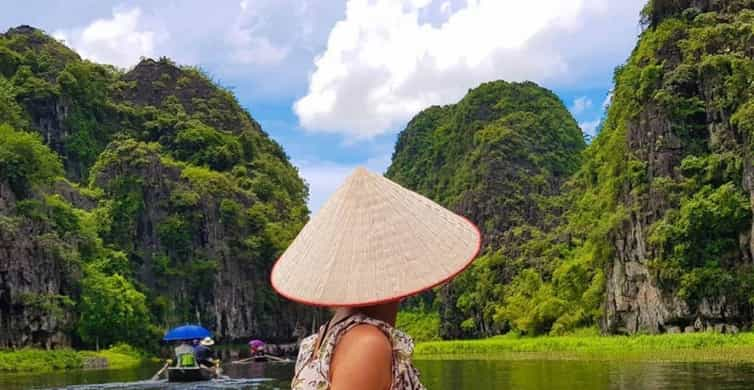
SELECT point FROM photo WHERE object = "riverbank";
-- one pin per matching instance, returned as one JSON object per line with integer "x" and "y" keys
{"x": 694, "y": 347}
{"x": 30, "y": 359}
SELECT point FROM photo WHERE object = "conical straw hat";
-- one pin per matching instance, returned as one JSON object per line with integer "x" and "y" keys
{"x": 374, "y": 241}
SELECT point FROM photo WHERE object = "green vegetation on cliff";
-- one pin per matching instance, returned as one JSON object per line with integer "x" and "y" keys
{"x": 141, "y": 199}
{"x": 25, "y": 161}
{"x": 669, "y": 177}
{"x": 499, "y": 157}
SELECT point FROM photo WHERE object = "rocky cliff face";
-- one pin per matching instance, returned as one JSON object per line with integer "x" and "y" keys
{"x": 34, "y": 279}
{"x": 682, "y": 249}
{"x": 190, "y": 243}
{"x": 179, "y": 178}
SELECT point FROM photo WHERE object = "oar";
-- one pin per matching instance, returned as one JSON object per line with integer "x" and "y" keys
{"x": 218, "y": 368}
{"x": 157, "y": 375}
{"x": 275, "y": 358}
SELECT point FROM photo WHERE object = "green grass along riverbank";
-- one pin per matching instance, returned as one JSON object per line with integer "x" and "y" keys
{"x": 693, "y": 347}
{"x": 584, "y": 345}
{"x": 30, "y": 359}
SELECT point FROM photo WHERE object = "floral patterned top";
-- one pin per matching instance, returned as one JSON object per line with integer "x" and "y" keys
{"x": 313, "y": 370}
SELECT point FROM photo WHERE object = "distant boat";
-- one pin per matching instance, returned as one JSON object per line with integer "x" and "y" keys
{"x": 192, "y": 372}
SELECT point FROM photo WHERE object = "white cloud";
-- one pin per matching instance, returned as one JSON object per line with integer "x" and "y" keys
{"x": 248, "y": 43}
{"x": 581, "y": 104}
{"x": 383, "y": 64}
{"x": 324, "y": 177}
{"x": 590, "y": 127}
{"x": 255, "y": 50}
{"x": 119, "y": 40}
{"x": 445, "y": 7}
{"x": 263, "y": 48}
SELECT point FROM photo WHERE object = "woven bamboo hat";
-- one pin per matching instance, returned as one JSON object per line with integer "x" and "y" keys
{"x": 372, "y": 242}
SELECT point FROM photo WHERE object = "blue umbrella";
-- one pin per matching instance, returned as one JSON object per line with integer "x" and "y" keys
{"x": 187, "y": 332}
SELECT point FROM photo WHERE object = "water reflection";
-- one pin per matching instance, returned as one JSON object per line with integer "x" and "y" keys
{"x": 437, "y": 375}
{"x": 234, "y": 384}
{"x": 279, "y": 371}
{"x": 242, "y": 376}
{"x": 579, "y": 375}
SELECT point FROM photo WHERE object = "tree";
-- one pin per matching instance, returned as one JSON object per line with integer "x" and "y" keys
{"x": 10, "y": 111}
{"x": 112, "y": 310}
{"x": 25, "y": 161}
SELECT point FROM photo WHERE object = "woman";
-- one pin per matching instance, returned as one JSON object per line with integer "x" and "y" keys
{"x": 372, "y": 244}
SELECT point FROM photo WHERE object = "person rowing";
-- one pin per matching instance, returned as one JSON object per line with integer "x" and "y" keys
{"x": 257, "y": 348}
{"x": 372, "y": 244}
{"x": 203, "y": 353}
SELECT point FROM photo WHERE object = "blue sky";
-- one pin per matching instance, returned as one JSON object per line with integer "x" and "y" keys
{"x": 335, "y": 81}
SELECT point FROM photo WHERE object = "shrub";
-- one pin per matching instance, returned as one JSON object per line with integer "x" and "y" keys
{"x": 25, "y": 161}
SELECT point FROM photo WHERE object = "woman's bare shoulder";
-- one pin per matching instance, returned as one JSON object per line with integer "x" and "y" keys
{"x": 362, "y": 359}
{"x": 366, "y": 336}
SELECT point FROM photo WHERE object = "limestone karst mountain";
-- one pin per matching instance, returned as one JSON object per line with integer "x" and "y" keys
{"x": 500, "y": 156}
{"x": 131, "y": 200}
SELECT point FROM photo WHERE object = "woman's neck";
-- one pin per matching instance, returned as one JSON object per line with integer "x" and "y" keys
{"x": 386, "y": 312}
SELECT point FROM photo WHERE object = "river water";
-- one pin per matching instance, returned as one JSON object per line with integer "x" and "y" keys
{"x": 436, "y": 375}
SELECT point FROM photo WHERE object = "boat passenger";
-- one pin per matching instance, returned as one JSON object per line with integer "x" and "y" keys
{"x": 372, "y": 244}
{"x": 184, "y": 355}
{"x": 203, "y": 352}
{"x": 256, "y": 348}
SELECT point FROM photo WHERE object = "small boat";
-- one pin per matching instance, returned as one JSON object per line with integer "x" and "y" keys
{"x": 191, "y": 374}
{"x": 187, "y": 368}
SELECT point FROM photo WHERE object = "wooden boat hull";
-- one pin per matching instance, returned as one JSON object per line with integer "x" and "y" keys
{"x": 176, "y": 374}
